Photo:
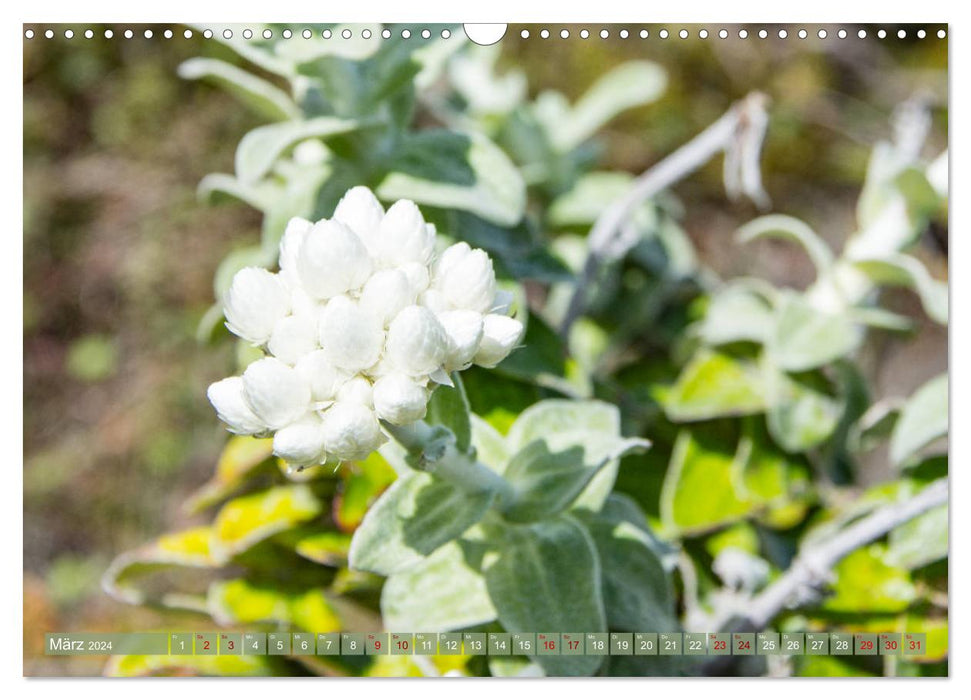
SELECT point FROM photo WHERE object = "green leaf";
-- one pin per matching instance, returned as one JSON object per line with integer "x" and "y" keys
{"x": 803, "y": 337}
{"x": 237, "y": 666}
{"x": 628, "y": 85}
{"x": 324, "y": 547}
{"x": 920, "y": 541}
{"x": 637, "y": 590}
{"x": 547, "y": 479}
{"x": 865, "y": 582}
{"x": 592, "y": 425}
{"x": 874, "y": 427}
{"x": 905, "y": 271}
{"x": 799, "y": 416}
{"x": 244, "y": 521}
{"x": 363, "y": 482}
{"x": 241, "y": 455}
{"x": 714, "y": 384}
{"x": 441, "y": 593}
{"x": 736, "y": 314}
{"x": 586, "y": 200}
{"x": 260, "y": 148}
{"x": 413, "y": 518}
{"x": 266, "y": 98}
{"x": 456, "y": 171}
{"x": 259, "y": 195}
{"x": 449, "y": 408}
{"x": 923, "y": 420}
{"x": 792, "y": 229}
{"x": 699, "y": 490}
{"x": 188, "y": 548}
{"x": 239, "y": 601}
{"x": 546, "y": 576}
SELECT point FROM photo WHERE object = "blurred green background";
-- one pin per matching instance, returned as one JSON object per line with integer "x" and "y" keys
{"x": 119, "y": 256}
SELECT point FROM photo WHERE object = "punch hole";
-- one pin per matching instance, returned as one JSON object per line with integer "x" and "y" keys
{"x": 306, "y": 33}
{"x": 167, "y": 34}
{"x": 663, "y": 33}
{"x": 488, "y": 34}
{"x": 446, "y": 33}
{"x": 366, "y": 34}
{"x": 267, "y": 34}
{"x": 29, "y": 34}
{"x": 644, "y": 34}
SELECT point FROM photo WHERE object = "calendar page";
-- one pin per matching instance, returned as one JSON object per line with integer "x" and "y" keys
{"x": 509, "y": 350}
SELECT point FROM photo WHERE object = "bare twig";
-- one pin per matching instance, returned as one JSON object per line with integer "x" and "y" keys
{"x": 610, "y": 239}
{"x": 814, "y": 565}
{"x": 813, "y": 568}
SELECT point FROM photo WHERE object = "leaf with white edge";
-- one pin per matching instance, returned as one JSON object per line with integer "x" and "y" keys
{"x": 799, "y": 415}
{"x": 546, "y": 576}
{"x": 455, "y": 170}
{"x": 188, "y": 548}
{"x": 736, "y": 314}
{"x": 413, "y": 518}
{"x": 638, "y": 593}
{"x": 791, "y": 229}
{"x": 920, "y": 541}
{"x": 260, "y": 148}
{"x": 449, "y": 408}
{"x": 239, "y": 601}
{"x": 555, "y": 417}
{"x": 875, "y": 426}
{"x": 441, "y": 593}
{"x": 905, "y": 271}
{"x": 250, "y": 519}
{"x": 628, "y": 85}
{"x": 265, "y": 97}
{"x": 547, "y": 478}
{"x": 593, "y": 425}
{"x": 712, "y": 385}
{"x": 923, "y": 420}
{"x": 804, "y": 337}
{"x": 259, "y": 195}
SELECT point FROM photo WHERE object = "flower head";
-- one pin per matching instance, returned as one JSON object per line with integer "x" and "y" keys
{"x": 358, "y": 326}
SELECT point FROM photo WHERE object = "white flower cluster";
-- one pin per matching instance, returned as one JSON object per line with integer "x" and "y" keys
{"x": 359, "y": 324}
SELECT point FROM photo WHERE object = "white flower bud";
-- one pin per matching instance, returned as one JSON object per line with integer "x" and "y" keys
{"x": 351, "y": 336}
{"x": 293, "y": 337}
{"x": 502, "y": 302}
{"x": 464, "y": 331}
{"x": 302, "y": 442}
{"x": 404, "y": 236}
{"x": 398, "y": 399}
{"x": 417, "y": 343}
{"x": 320, "y": 374}
{"x": 351, "y": 431}
{"x": 417, "y": 274}
{"x": 256, "y": 300}
{"x": 310, "y": 152}
{"x": 500, "y": 334}
{"x": 226, "y": 396}
{"x": 301, "y": 303}
{"x": 434, "y": 301}
{"x": 386, "y": 294}
{"x": 356, "y": 390}
{"x": 277, "y": 393}
{"x": 361, "y": 212}
{"x": 465, "y": 278}
{"x": 332, "y": 260}
{"x": 293, "y": 238}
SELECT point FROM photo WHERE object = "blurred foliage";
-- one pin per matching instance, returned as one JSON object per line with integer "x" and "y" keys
{"x": 769, "y": 407}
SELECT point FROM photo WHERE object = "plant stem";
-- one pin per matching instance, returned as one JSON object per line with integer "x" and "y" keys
{"x": 607, "y": 240}
{"x": 434, "y": 452}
